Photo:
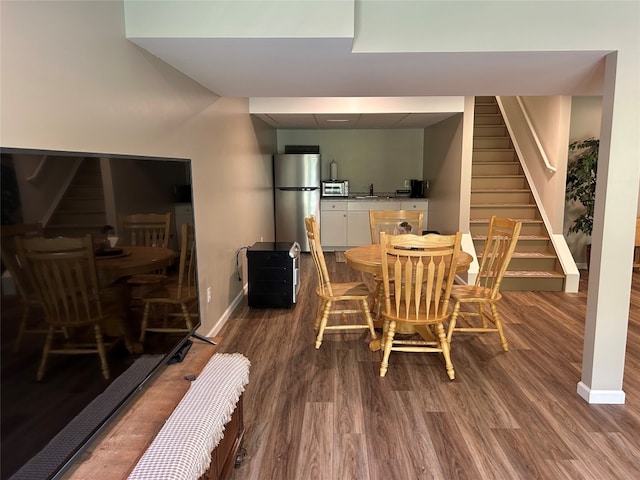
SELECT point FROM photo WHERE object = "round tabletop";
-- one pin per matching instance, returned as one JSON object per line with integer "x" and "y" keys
{"x": 133, "y": 261}
{"x": 366, "y": 258}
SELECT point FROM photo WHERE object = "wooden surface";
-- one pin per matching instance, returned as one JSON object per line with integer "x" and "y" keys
{"x": 136, "y": 260}
{"x": 116, "y": 452}
{"x": 326, "y": 414}
{"x": 366, "y": 258}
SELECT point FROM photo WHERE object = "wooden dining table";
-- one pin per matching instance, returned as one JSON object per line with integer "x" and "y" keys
{"x": 113, "y": 272}
{"x": 368, "y": 259}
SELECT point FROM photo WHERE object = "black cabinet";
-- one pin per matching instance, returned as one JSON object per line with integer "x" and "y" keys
{"x": 273, "y": 274}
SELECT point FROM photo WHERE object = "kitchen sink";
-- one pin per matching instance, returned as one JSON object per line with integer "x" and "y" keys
{"x": 371, "y": 197}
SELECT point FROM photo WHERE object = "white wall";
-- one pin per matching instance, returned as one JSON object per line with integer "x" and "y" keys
{"x": 383, "y": 157}
{"x": 71, "y": 81}
{"x": 443, "y": 168}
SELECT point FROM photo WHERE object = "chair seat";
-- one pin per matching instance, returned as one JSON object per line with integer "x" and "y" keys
{"x": 420, "y": 319}
{"x": 345, "y": 291}
{"x": 472, "y": 293}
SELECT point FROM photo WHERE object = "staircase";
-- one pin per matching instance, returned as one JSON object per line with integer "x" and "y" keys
{"x": 499, "y": 187}
{"x": 82, "y": 208}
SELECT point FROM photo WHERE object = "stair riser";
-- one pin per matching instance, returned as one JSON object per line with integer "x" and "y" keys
{"x": 492, "y": 142}
{"x": 486, "y": 108}
{"x": 488, "y": 119}
{"x": 533, "y": 264}
{"x": 496, "y": 169}
{"x": 501, "y": 197}
{"x": 527, "y": 229}
{"x": 532, "y": 284}
{"x": 503, "y": 211}
{"x": 494, "y": 156}
{"x": 490, "y": 131}
{"x": 484, "y": 183}
{"x": 529, "y": 246}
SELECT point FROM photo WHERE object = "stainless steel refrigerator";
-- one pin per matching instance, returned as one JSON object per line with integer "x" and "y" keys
{"x": 296, "y": 183}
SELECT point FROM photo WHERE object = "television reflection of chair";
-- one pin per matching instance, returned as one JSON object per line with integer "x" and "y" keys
{"x": 181, "y": 295}
{"x": 28, "y": 297}
{"x": 63, "y": 273}
{"x": 145, "y": 230}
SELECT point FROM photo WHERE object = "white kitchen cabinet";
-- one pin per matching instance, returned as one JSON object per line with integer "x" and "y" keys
{"x": 333, "y": 224}
{"x": 345, "y": 223}
{"x": 358, "y": 230}
{"x": 417, "y": 204}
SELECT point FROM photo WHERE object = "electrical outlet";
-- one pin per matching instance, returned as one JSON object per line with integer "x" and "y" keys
{"x": 406, "y": 183}
{"x": 262, "y": 239}
{"x": 208, "y": 294}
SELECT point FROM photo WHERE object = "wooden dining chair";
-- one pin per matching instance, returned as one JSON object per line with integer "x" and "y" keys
{"x": 145, "y": 230}
{"x": 29, "y": 299}
{"x": 484, "y": 294}
{"x": 392, "y": 222}
{"x": 63, "y": 273}
{"x": 332, "y": 295}
{"x": 417, "y": 277}
{"x": 177, "y": 299}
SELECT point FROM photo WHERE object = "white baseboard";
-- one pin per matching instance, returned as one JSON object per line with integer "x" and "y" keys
{"x": 606, "y": 397}
{"x": 227, "y": 313}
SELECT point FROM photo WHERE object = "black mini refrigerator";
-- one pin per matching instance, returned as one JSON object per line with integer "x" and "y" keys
{"x": 273, "y": 274}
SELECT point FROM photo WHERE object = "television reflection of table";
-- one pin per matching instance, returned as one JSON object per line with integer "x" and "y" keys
{"x": 273, "y": 274}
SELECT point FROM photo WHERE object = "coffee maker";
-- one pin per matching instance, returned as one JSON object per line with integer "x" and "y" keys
{"x": 417, "y": 189}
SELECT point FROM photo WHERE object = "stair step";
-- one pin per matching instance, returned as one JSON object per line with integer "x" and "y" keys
{"x": 533, "y": 273}
{"x": 496, "y": 169}
{"x": 487, "y": 155}
{"x": 488, "y": 119}
{"x": 521, "y": 238}
{"x": 482, "y": 131}
{"x": 503, "y": 181}
{"x": 492, "y": 143}
{"x": 510, "y": 211}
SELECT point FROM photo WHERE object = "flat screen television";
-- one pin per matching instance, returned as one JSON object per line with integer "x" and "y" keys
{"x": 47, "y": 425}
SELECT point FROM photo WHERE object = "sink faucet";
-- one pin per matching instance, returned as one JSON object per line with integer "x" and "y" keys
{"x": 371, "y": 189}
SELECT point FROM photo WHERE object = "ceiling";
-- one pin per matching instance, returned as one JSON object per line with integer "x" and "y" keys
{"x": 328, "y": 68}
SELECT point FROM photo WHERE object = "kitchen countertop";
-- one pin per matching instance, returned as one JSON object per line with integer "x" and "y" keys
{"x": 364, "y": 196}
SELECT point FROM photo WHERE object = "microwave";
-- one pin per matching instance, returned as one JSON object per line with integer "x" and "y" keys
{"x": 335, "y": 188}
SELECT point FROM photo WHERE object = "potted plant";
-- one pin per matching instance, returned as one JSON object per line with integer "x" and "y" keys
{"x": 581, "y": 185}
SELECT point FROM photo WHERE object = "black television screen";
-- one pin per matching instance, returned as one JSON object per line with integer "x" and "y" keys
{"x": 47, "y": 424}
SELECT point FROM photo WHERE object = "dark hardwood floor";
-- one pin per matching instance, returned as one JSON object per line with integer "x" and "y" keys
{"x": 326, "y": 414}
